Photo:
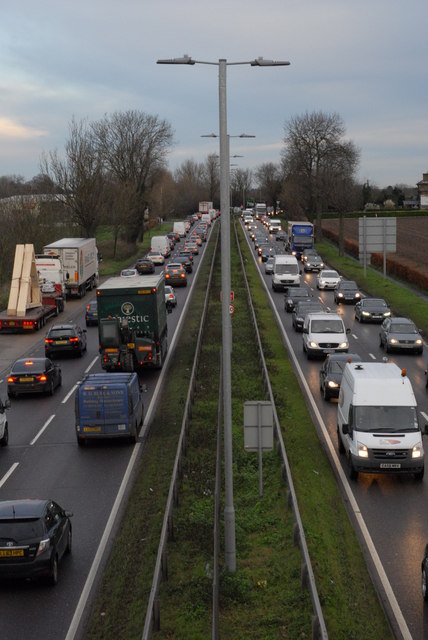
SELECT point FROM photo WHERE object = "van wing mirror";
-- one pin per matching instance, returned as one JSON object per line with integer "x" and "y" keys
{"x": 348, "y": 330}
{"x": 345, "y": 428}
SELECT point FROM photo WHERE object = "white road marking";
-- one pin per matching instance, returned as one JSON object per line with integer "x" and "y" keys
{"x": 45, "y": 426}
{"x": 8, "y": 473}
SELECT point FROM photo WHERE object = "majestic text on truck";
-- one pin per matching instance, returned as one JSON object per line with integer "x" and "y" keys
{"x": 132, "y": 323}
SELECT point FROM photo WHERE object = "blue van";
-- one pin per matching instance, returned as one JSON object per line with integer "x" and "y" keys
{"x": 108, "y": 405}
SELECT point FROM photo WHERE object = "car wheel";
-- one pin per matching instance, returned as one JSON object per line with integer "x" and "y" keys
{"x": 60, "y": 380}
{"x": 69, "y": 542}
{"x": 424, "y": 584}
{"x": 388, "y": 350}
{"x": 53, "y": 571}
{"x": 352, "y": 472}
{"x": 380, "y": 341}
{"x": 81, "y": 441}
{"x": 51, "y": 388}
{"x": 325, "y": 394}
{"x": 80, "y": 353}
{"x": 4, "y": 441}
{"x": 339, "y": 442}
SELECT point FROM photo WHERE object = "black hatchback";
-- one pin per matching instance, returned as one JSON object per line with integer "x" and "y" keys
{"x": 34, "y": 536}
{"x": 33, "y": 375}
{"x": 65, "y": 338}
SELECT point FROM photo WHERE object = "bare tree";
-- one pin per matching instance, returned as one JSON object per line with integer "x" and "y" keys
{"x": 78, "y": 177}
{"x": 133, "y": 147}
{"x": 311, "y": 160}
{"x": 269, "y": 182}
{"x": 211, "y": 177}
{"x": 240, "y": 183}
{"x": 189, "y": 178}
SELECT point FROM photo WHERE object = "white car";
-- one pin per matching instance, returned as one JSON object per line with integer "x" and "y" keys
{"x": 327, "y": 279}
{"x": 170, "y": 297}
{"x": 156, "y": 257}
{"x": 4, "y": 429}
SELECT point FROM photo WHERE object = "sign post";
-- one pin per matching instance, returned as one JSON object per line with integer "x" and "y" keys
{"x": 258, "y": 431}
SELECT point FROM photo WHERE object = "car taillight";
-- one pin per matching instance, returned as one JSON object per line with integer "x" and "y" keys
{"x": 12, "y": 378}
{"x": 74, "y": 339}
{"x": 42, "y": 378}
{"x": 48, "y": 340}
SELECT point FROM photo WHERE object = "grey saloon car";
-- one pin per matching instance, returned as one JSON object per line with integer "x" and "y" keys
{"x": 400, "y": 334}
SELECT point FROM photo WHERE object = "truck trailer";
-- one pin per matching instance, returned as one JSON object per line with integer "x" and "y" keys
{"x": 300, "y": 236}
{"x": 132, "y": 323}
{"x": 79, "y": 260}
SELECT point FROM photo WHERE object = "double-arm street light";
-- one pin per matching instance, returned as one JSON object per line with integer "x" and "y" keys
{"x": 229, "y": 511}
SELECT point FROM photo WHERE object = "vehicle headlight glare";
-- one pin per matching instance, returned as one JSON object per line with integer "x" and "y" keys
{"x": 363, "y": 452}
{"x": 417, "y": 451}
{"x": 332, "y": 384}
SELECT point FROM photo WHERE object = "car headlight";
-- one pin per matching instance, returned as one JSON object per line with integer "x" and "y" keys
{"x": 344, "y": 345}
{"x": 321, "y": 265}
{"x": 386, "y": 314}
{"x": 362, "y": 450}
{"x": 366, "y": 313}
{"x": 340, "y": 295}
{"x": 313, "y": 345}
{"x": 418, "y": 341}
{"x": 392, "y": 340}
{"x": 417, "y": 451}
{"x": 332, "y": 384}
{"x": 357, "y": 295}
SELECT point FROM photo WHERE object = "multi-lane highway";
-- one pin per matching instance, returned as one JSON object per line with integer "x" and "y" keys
{"x": 393, "y": 508}
{"x": 43, "y": 460}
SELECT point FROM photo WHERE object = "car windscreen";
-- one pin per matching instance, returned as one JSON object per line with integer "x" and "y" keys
{"x": 17, "y": 529}
{"x": 385, "y": 419}
{"x": 291, "y": 269}
{"x": 61, "y": 333}
{"x": 330, "y": 274}
{"x": 28, "y": 366}
{"x": 348, "y": 285}
{"x": 403, "y": 328}
{"x": 374, "y": 304}
{"x": 327, "y": 326}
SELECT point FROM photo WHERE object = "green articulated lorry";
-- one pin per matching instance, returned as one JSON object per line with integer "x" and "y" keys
{"x": 132, "y": 323}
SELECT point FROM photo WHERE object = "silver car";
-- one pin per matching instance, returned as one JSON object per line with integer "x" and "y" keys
{"x": 400, "y": 334}
{"x": 327, "y": 279}
{"x": 269, "y": 265}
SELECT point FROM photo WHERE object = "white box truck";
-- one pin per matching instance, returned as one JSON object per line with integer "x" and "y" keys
{"x": 79, "y": 263}
{"x": 377, "y": 420}
{"x": 180, "y": 228}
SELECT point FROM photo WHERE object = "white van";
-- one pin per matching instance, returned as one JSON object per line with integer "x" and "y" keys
{"x": 180, "y": 228}
{"x": 275, "y": 225}
{"x": 324, "y": 333}
{"x": 285, "y": 272}
{"x": 377, "y": 420}
{"x": 206, "y": 218}
{"x": 160, "y": 244}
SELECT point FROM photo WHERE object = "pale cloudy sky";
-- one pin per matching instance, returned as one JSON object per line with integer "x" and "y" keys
{"x": 366, "y": 60}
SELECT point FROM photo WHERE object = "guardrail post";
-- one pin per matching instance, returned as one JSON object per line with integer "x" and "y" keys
{"x": 164, "y": 566}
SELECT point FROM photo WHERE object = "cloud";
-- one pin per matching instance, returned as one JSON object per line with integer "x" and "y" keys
{"x": 11, "y": 129}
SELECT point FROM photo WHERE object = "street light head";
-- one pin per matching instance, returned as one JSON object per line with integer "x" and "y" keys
{"x": 209, "y": 135}
{"x": 245, "y": 135}
{"x": 184, "y": 60}
{"x": 261, "y": 62}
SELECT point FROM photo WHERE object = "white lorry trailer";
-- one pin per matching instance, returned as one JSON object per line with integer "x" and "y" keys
{"x": 79, "y": 262}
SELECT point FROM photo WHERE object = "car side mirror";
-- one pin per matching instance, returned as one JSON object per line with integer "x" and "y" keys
{"x": 348, "y": 330}
{"x": 345, "y": 429}
{"x": 305, "y": 330}
{"x": 425, "y": 430}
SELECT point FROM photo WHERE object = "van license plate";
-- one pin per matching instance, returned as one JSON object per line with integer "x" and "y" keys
{"x": 390, "y": 465}
{"x": 92, "y": 429}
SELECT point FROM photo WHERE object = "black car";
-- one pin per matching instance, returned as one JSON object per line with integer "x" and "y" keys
{"x": 185, "y": 261}
{"x": 91, "y": 315}
{"x": 346, "y": 291}
{"x": 281, "y": 235}
{"x": 33, "y": 375}
{"x": 424, "y": 567}
{"x": 301, "y": 309}
{"x": 34, "y": 536}
{"x": 267, "y": 252}
{"x": 372, "y": 310}
{"x": 332, "y": 371}
{"x": 400, "y": 334}
{"x": 144, "y": 265}
{"x": 65, "y": 338}
{"x": 295, "y": 295}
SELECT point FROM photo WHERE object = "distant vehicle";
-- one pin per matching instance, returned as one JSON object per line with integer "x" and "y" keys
{"x": 186, "y": 251}
{"x": 347, "y": 291}
{"x": 144, "y": 265}
{"x": 307, "y": 253}
{"x": 156, "y": 257}
{"x": 79, "y": 261}
{"x": 269, "y": 265}
{"x": 33, "y": 375}
{"x": 285, "y": 272}
{"x": 128, "y": 273}
{"x": 91, "y": 315}
{"x": 275, "y": 225}
{"x": 332, "y": 371}
{"x": 301, "y": 309}
{"x": 294, "y": 295}
{"x": 65, "y": 338}
{"x": 327, "y": 279}
{"x": 160, "y": 244}
{"x": 313, "y": 262}
{"x": 34, "y": 535}
{"x": 267, "y": 252}
{"x": 300, "y": 236}
{"x": 281, "y": 235}
{"x": 193, "y": 246}
{"x": 175, "y": 274}
{"x": 372, "y": 310}
{"x": 185, "y": 261}
{"x": 180, "y": 228}
{"x": 170, "y": 297}
{"x": 400, "y": 334}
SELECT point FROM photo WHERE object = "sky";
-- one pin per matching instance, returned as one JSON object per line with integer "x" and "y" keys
{"x": 365, "y": 60}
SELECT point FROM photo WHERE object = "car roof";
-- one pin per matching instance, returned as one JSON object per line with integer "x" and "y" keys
{"x": 64, "y": 325}
{"x": 348, "y": 357}
{"x": 11, "y": 509}
{"x": 38, "y": 363}
{"x": 398, "y": 320}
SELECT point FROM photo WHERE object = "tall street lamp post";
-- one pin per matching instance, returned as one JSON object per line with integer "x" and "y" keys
{"x": 229, "y": 511}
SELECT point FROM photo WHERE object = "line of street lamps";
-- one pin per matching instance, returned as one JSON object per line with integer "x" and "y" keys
{"x": 229, "y": 511}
